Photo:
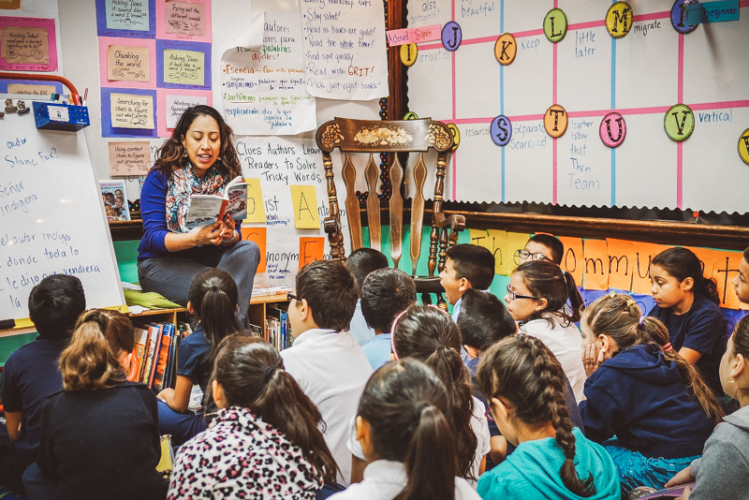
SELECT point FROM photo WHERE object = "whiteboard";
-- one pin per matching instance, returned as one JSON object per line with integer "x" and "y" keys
{"x": 589, "y": 73}
{"x": 51, "y": 217}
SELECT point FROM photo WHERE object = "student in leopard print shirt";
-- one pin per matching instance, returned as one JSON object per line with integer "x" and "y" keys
{"x": 265, "y": 442}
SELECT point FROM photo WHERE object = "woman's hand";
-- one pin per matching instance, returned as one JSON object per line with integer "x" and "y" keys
{"x": 593, "y": 358}
{"x": 681, "y": 477}
{"x": 228, "y": 230}
{"x": 209, "y": 235}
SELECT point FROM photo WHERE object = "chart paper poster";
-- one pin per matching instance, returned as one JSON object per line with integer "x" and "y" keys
{"x": 184, "y": 18}
{"x": 132, "y": 111}
{"x": 132, "y": 64}
{"x": 30, "y": 89}
{"x": 127, "y": 15}
{"x": 344, "y": 49}
{"x": 263, "y": 84}
{"x": 177, "y": 104}
{"x": 129, "y": 158}
{"x": 184, "y": 67}
{"x": 27, "y": 44}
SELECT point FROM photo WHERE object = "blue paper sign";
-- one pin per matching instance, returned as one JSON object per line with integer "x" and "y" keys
{"x": 719, "y": 12}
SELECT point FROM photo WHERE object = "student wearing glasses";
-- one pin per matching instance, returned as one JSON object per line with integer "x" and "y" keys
{"x": 536, "y": 298}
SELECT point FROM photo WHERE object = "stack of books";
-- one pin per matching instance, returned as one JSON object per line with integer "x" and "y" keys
{"x": 278, "y": 328}
{"x": 154, "y": 361}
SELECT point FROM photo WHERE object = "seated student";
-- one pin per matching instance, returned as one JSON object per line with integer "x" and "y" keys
{"x": 325, "y": 360}
{"x": 100, "y": 436}
{"x": 741, "y": 280}
{"x": 361, "y": 262}
{"x": 641, "y": 391}
{"x": 265, "y": 441}
{"x": 213, "y": 301}
{"x": 384, "y": 295}
{"x": 524, "y": 383}
{"x": 403, "y": 426}
{"x": 723, "y": 470}
{"x": 467, "y": 266}
{"x": 32, "y": 372}
{"x": 547, "y": 247}
{"x": 687, "y": 303}
{"x": 536, "y": 296}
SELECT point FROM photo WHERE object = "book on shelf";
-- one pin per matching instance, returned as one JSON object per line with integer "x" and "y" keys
{"x": 266, "y": 290}
{"x": 115, "y": 203}
{"x": 206, "y": 209}
{"x": 139, "y": 354}
{"x": 162, "y": 357}
{"x": 278, "y": 329}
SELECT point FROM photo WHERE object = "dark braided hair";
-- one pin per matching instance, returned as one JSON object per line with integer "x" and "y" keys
{"x": 522, "y": 370}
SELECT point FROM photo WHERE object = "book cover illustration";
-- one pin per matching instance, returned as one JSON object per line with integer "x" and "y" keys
{"x": 206, "y": 209}
{"x": 115, "y": 203}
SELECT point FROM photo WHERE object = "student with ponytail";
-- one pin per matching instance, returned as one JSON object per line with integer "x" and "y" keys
{"x": 642, "y": 391}
{"x": 100, "y": 436}
{"x": 523, "y": 382}
{"x": 537, "y": 298}
{"x": 688, "y": 304}
{"x": 213, "y": 302}
{"x": 403, "y": 426}
{"x": 266, "y": 441}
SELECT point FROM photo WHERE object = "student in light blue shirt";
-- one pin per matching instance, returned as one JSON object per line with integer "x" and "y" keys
{"x": 384, "y": 295}
{"x": 360, "y": 263}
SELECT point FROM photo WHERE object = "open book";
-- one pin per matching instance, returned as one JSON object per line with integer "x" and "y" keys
{"x": 205, "y": 209}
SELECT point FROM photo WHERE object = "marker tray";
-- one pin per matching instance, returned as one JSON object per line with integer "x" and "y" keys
{"x": 57, "y": 116}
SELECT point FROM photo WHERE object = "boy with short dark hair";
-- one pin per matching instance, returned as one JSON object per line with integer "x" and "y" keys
{"x": 361, "y": 263}
{"x": 540, "y": 247}
{"x": 467, "y": 266}
{"x": 32, "y": 373}
{"x": 384, "y": 295}
{"x": 325, "y": 360}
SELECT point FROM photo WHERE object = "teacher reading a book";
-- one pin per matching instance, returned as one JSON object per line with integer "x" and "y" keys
{"x": 198, "y": 159}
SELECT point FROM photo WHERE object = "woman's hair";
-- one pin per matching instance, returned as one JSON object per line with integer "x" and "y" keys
{"x": 682, "y": 263}
{"x": 90, "y": 361}
{"x": 252, "y": 375}
{"x": 431, "y": 336}
{"x": 620, "y": 318}
{"x": 173, "y": 153}
{"x": 546, "y": 280}
{"x": 407, "y": 409}
{"x": 214, "y": 297}
{"x": 741, "y": 342}
{"x": 523, "y": 371}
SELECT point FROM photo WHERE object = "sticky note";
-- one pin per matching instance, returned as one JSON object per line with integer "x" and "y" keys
{"x": 596, "y": 255}
{"x": 310, "y": 250}
{"x": 185, "y": 67}
{"x": 129, "y": 158}
{"x": 621, "y": 263}
{"x": 515, "y": 242}
{"x": 259, "y": 236}
{"x": 725, "y": 267}
{"x": 304, "y": 200}
{"x": 572, "y": 260}
{"x": 132, "y": 111}
{"x": 644, "y": 253}
{"x": 128, "y": 63}
{"x": 132, "y": 15}
{"x": 185, "y": 18}
{"x": 255, "y": 201}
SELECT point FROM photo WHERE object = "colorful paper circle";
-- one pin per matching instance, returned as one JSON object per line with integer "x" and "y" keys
{"x": 456, "y": 135}
{"x": 452, "y": 35}
{"x": 501, "y": 130}
{"x": 555, "y": 25}
{"x": 744, "y": 146}
{"x": 619, "y": 19}
{"x": 410, "y": 116}
{"x": 409, "y": 52}
{"x": 555, "y": 121}
{"x": 505, "y": 49}
{"x": 613, "y": 129}
{"x": 679, "y": 122}
{"x": 679, "y": 14}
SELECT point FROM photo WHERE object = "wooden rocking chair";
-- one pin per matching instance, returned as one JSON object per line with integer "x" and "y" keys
{"x": 391, "y": 137}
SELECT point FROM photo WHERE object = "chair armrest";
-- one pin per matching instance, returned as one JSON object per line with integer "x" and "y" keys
{"x": 428, "y": 284}
{"x": 455, "y": 222}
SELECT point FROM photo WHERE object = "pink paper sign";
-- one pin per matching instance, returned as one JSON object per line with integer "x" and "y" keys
{"x": 184, "y": 20}
{"x": 414, "y": 35}
{"x": 104, "y": 59}
{"x": 28, "y": 44}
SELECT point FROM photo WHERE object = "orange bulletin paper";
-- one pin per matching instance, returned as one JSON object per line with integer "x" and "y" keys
{"x": 572, "y": 261}
{"x": 644, "y": 253}
{"x": 258, "y": 235}
{"x": 725, "y": 268}
{"x": 310, "y": 250}
{"x": 596, "y": 265}
{"x": 621, "y": 264}
{"x": 706, "y": 257}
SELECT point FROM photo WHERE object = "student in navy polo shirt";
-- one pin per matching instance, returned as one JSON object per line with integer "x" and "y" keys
{"x": 31, "y": 373}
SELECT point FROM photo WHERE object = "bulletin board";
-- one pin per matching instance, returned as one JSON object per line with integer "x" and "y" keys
{"x": 590, "y": 73}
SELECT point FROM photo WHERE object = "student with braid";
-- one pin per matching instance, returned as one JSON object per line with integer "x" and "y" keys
{"x": 406, "y": 434}
{"x": 642, "y": 391}
{"x": 524, "y": 384}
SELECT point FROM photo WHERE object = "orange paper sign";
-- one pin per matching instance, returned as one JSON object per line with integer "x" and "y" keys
{"x": 725, "y": 267}
{"x": 621, "y": 264}
{"x": 596, "y": 265}
{"x": 644, "y": 253}
{"x": 258, "y": 235}
{"x": 310, "y": 250}
{"x": 572, "y": 261}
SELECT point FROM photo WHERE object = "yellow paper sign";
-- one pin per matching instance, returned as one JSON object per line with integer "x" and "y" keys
{"x": 126, "y": 63}
{"x": 30, "y": 89}
{"x": 255, "y": 201}
{"x": 496, "y": 242}
{"x": 132, "y": 111}
{"x": 185, "y": 67}
{"x": 305, "y": 207}
{"x": 515, "y": 242}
